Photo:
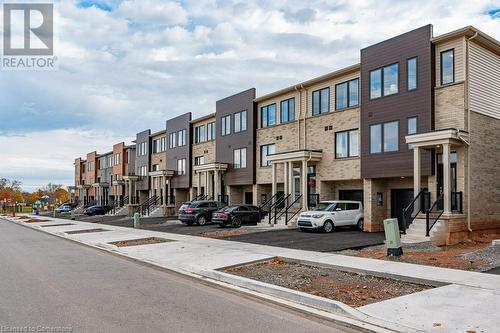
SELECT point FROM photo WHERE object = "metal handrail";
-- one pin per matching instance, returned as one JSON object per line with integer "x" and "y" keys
{"x": 287, "y": 208}
{"x": 428, "y": 225}
{"x": 284, "y": 199}
{"x": 145, "y": 207}
{"x": 268, "y": 202}
{"x": 411, "y": 206}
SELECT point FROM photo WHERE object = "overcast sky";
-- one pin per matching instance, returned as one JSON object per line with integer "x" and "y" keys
{"x": 126, "y": 66}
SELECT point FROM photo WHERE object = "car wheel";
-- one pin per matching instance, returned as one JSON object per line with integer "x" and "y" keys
{"x": 361, "y": 224}
{"x": 236, "y": 222}
{"x": 201, "y": 220}
{"x": 328, "y": 227}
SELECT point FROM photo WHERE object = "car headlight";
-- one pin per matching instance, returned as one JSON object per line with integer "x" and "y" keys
{"x": 316, "y": 216}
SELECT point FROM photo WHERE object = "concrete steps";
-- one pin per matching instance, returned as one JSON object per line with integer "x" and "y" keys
{"x": 157, "y": 211}
{"x": 415, "y": 233}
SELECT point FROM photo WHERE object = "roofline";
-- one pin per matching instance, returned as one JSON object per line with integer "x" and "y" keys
{"x": 211, "y": 115}
{"x": 470, "y": 31}
{"x": 311, "y": 82}
{"x": 158, "y": 133}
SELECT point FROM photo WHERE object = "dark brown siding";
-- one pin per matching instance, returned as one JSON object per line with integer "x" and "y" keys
{"x": 174, "y": 125}
{"x": 143, "y": 183}
{"x": 399, "y": 106}
{"x": 225, "y": 146}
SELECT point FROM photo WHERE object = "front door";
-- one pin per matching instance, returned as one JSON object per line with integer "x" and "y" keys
{"x": 248, "y": 198}
{"x": 440, "y": 176}
{"x": 400, "y": 199}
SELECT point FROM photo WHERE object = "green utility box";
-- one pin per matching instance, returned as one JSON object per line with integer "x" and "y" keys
{"x": 137, "y": 220}
{"x": 392, "y": 237}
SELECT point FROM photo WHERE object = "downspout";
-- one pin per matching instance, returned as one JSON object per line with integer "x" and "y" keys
{"x": 468, "y": 127}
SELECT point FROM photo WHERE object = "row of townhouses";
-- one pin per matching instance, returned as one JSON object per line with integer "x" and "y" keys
{"x": 413, "y": 127}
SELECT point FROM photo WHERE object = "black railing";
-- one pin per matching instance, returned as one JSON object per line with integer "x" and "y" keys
{"x": 224, "y": 198}
{"x": 268, "y": 203}
{"x": 457, "y": 202}
{"x": 428, "y": 223}
{"x": 312, "y": 199}
{"x": 410, "y": 213}
{"x": 288, "y": 206}
{"x": 277, "y": 207}
{"x": 146, "y": 207}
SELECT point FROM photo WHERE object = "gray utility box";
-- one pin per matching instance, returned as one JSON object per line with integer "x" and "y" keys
{"x": 392, "y": 237}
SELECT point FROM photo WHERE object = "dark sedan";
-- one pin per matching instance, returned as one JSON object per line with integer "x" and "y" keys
{"x": 199, "y": 212}
{"x": 96, "y": 210}
{"x": 236, "y": 215}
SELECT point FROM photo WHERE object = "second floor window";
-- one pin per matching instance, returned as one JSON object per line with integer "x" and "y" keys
{"x": 226, "y": 125}
{"x": 347, "y": 94}
{"x": 211, "y": 131}
{"x": 287, "y": 110}
{"x": 181, "y": 167}
{"x": 268, "y": 115}
{"x": 142, "y": 171}
{"x": 142, "y": 149}
{"x": 199, "y": 134}
{"x": 181, "y": 138}
{"x": 346, "y": 144}
{"x": 240, "y": 158}
{"x": 320, "y": 101}
{"x": 384, "y": 81}
{"x": 264, "y": 151}
{"x": 116, "y": 159}
{"x": 411, "y": 72}
{"x": 199, "y": 160}
{"x": 384, "y": 137}
{"x": 172, "y": 140}
{"x": 240, "y": 121}
{"x": 447, "y": 67}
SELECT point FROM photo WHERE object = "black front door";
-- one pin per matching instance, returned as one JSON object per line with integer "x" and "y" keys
{"x": 248, "y": 198}
{"x": 440, "y": 176}
{"x": 400, "y": 199}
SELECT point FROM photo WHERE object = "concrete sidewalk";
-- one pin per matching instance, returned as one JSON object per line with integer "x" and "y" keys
{"x": 465, "y": 302}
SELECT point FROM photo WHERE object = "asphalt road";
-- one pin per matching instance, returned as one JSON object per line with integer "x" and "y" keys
{"x": 51, "y": 282}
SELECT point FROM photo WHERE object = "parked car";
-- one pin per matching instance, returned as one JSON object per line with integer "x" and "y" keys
{"x": 330, "y": 214}
{"x": 96, "y": 210}
{"x": 235, "y": 215}
{"x": 199, "y": 212}
{"x": 64, "y": 208}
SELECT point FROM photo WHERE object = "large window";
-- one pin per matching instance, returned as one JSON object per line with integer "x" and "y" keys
{"x": 142, "y": 149}
{"x": 240, "y": 158}
{"x": 346, "y": 144}
{"x": 159, "y": 145}
{"x": 384, "y": 137}
{"x": 117, "y": 159}
{"x": 172, "y": 140}
{"x": 226, "y": 125}
{"x": 287, "y": 110}
{"x": 347, "y": 94}
{"x": 268, "y": 115}
{"x": 142, "y": 171}
{"x": 211, "y": 131}
{"x": 199, "y": 134}
{"x": 181, "y": 167}
{"x": 240, "y": 121}
{"x": 199, "y": 160}
{"x": 264, "y": 151}
{"x": 447, "y": 67}
{"x": 411, "y": 70}
{"x": 182, "y": 138}
{"x": 384, "y": 81}
{"x": 321, "y": 101}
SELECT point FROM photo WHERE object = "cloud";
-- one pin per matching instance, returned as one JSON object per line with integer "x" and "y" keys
{"x": 125, "y": 66}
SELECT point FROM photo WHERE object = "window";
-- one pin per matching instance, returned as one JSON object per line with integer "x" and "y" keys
{"x": 411, "y": 128}
{"x": 172, "y": 140}
{"x": 268, "y": 115}
{"x": 411, "y": 70}
{"x": 210, "y": 131}
{"x": 287, "y": 110}
{"x": 117, "y": 159}
{"x": 142, "y": 171}
{"x": 347, "y": 94}
{"x": 226, "y": 125}
{"x": 155, "y": 167}
{"x": 199, "y": 134}
{"x": 447, "y": 67}
{"x": 240, "y": 158}
{"x": 321, "y": 101}
{"x": 181, "y": 167}
{"x": 163, "y": 144}
{"x": 351, "y": 206}
{"x": 159, "y": 145}
{"x": 264, "y": 151}
{"x": 110, "y": 161}
{"x": 199, "y": 160}
{"x": 181, "y": 138}
{"x": 240, "y": 121}
{"x": 384, "y": 137}
{"x": 346, "y": 144}
{"x": 384, "y": 81}
{"x": 141, "y": 149}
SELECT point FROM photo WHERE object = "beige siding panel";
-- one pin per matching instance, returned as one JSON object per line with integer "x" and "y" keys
{"x": 484, "y": 85}
{"x": 459, "y": 46}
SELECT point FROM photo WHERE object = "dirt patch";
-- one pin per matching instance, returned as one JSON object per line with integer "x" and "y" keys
{"x": 472, "y": 255}
{"x": 35, "y": 220}
{"x": 141, "y": 241}
{"x": 57, "y": 225}
{"x": 353, "y": 289}
{"x": 86, "y": 231}
{"x": 223, "y": 233}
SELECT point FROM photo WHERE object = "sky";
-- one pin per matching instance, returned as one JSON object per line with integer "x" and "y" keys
{"x": 128, "y": 65}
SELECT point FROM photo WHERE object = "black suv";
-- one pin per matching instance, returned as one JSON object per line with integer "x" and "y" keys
{"x": 199, "y": 212}
{"x": 236, "y": 215}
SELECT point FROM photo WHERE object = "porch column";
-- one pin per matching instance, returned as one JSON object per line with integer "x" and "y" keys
{"x": 169, "y": 190}
{"x": 290, "y": 179}
{"x": 216, "y": 185}
{"x": 417, "y": 173}
{"x": 273, "y": 178}
{"x": 199, "y": 183}
{"x": 126, "y": 189}
{"x": 285, "y": 178}
{"x": 446, "y": 179}
{"x": 303, "y": 179}
{"x": 206, "y": 183}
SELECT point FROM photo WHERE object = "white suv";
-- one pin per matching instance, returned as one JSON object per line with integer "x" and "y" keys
{"x": 329, "y": 214}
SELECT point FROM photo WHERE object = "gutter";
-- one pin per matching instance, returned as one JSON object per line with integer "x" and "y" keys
{"x": 468, "y": 126}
